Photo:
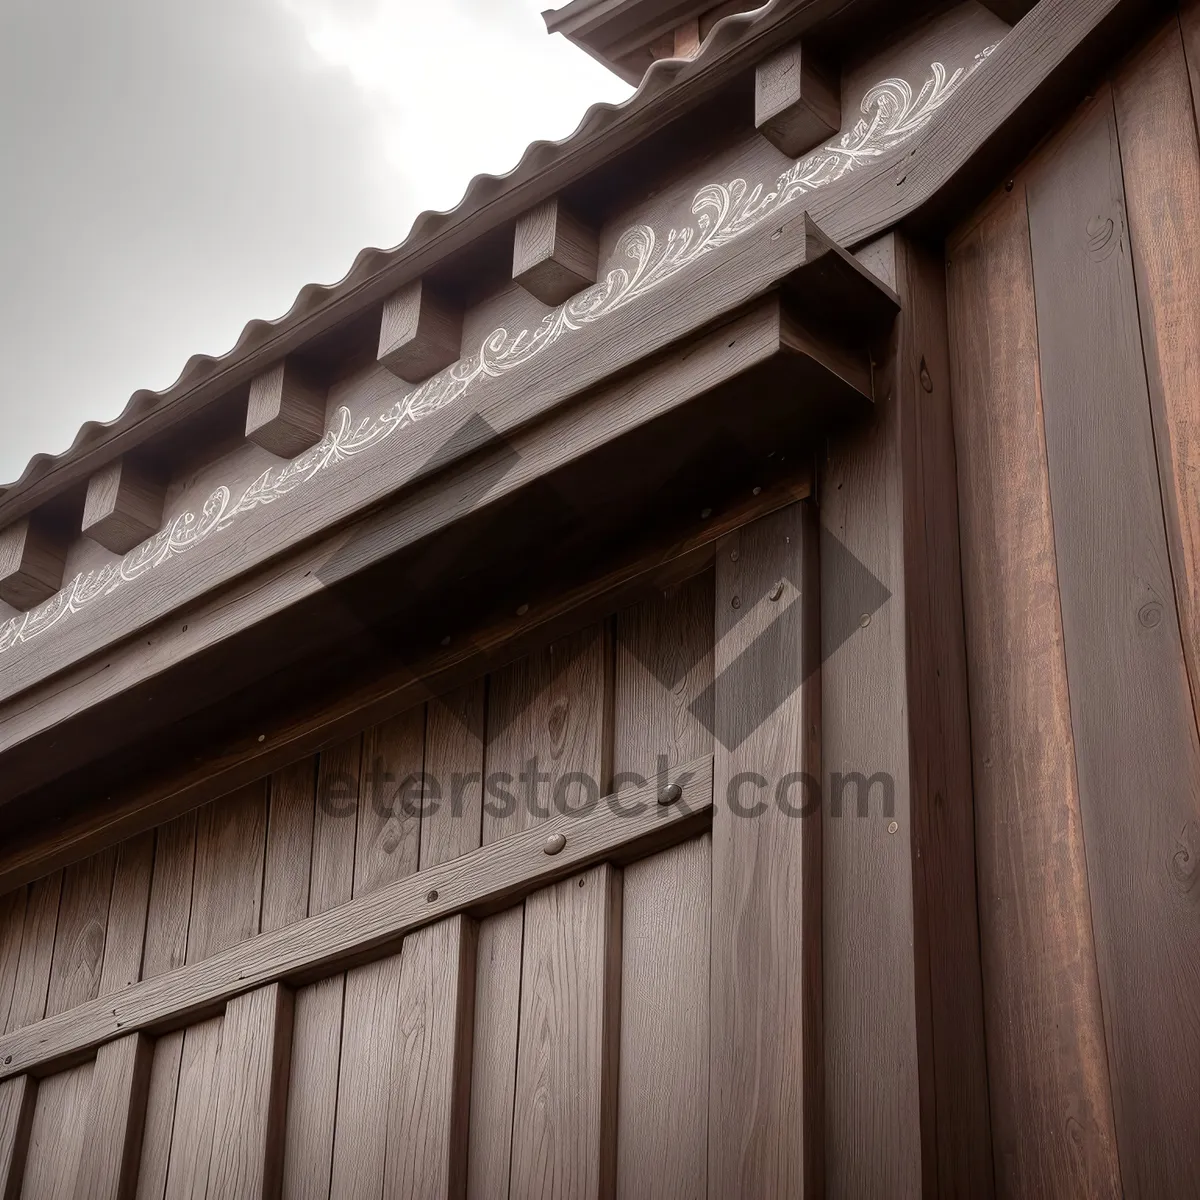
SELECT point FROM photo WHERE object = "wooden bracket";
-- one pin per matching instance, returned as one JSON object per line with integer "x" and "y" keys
{"x": 1010, "y": 10}
{"x": 31, "y": 564}
{"x": 797, "y": 101}
{"x": 123, "y": 508}
{"x": 286, "y": 413}
{"x": 554, "y": 254}
{"x": 420, "y": 334}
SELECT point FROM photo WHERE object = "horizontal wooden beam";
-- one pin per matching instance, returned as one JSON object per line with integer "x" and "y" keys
{"x": 554, "y": 253}
{"x": 792, "y": 252}
{"x": 286, "y": 410}
{"x": 124, "y": 506}
{"x": 617, "y": 829}
{"x": 1010, "y": 10}
{"x": 797, "y": 100}
{"x": 32, "y": 559}
{"x": 420, "y": 333}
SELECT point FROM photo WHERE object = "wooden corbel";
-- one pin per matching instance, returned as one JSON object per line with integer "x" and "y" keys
{"x": 554, "y": 253}
{"x": 123, "y": 508}
{"x": 286, "y": 411}
{"x": 797, "y": 100}
{"x": 32, "y": 559}
{"x": 419, "y": 334}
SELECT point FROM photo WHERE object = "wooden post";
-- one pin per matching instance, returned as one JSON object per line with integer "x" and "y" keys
{"x": 112, "y": 1142}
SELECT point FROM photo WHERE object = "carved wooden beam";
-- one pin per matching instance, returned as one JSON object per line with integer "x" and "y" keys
{"x": 123, "y": 508}
{"x": 286, "y": 412}
{"x": 1010, "y": 10}
{"x": 419, "y": 334}
{"x": 797, "y": 101}
{"x": 554, "y": 254}
{"x": 31, "y": 564}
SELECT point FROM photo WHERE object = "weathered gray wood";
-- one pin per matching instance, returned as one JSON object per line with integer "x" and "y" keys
{"x": 32, "y": 559}
{"x": 389, "y": 812}
{"x": 79, "y": 932}
{"x": 454, "y": 734}
{"x": 125, "y": 937}
{"x": 32, "y": 981}
{"x": 420, "y": 333}
{"x": 289, "y": 845}
{"x": 488, "y": 880}
{"x": 17, "y": 1099}
{"x": 163, "y": 1089}
{"x": 797, "y": 100}
{"x": 112, "y": 1140}
{"x": 554, "y": 254}
{"x": 54, "y": 1161}
{"x": 124, "y": 506}
{"x": 195, "y": 1111}
{"x": 286, "y": 410}
{"x": 170, "y": 906}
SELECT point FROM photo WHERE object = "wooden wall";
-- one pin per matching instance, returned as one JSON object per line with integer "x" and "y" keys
{"x": 1075, "y": 329}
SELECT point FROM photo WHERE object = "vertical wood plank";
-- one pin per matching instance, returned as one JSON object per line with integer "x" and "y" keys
{"x": 18, "y": 1098}
{"x": 389, "y": 813}
{"x": 60, "y": 1118}
{"x": 289, "y": 845}
{"x": 1052, "y": 1122}
{"x": 162, "y": 1092}
{"x": 252, "y": 1087}
{"x": 431, "y": 1064}
{"x": 547, "y": 722}
{"x": 126, "y": 934}
{"x": 564, "y": 1119}
{"x": 494, "y": 1069}
{"x": 12, "y": 927}
{"x": 1137, "y": 755}
{"x": 195, "y": 1112}
{"x": 1161, "y": 166}
{"x": 765, "y": 1057}
{"x": 312, "y": 1099}
{"x": 451, "y": 823}
{"x": 334, "y": 827}
{"x": 37, "y": 949}
{"x": 79, "y": 934}
{"x": 170, "y": 905}
{"x": 112, "y": 1140}
{"x": 228, "y": 881}
{"x": 663, "y": 717}
{"x": 364, "y": 1085}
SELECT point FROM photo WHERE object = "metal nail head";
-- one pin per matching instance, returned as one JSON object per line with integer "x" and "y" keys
{"x": 555, "y": 843}
{"x": 671, "y": 794}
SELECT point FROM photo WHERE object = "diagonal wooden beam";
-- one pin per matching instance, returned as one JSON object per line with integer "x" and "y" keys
{"x": 618, "y": 829}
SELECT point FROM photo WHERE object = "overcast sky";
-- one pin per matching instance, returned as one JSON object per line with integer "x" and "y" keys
{"x": 171, "y": 169}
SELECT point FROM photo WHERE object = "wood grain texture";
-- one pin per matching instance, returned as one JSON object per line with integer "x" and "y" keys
{"x": 286, "y": 411}
{"x": 125, "y": 936}
{"x": 494, "y": 1069}
{"x": 1009, "y": 10}
{"x": 554, "y": 254}
{"x": 489, "y": 880}
{"x": 12, "y": 929}
{"x": 112, "y": 1139}
{"x": 1160, "y": 161}
{"x": 1137, "y": 755}
{"x": 79, "y": 933}
{"x": 60, "y": 1119}
{"x": 1051, "y": 1108}
{"x": 228, "y": 881}
{"x": 123, "y": 507}
{"x": 32, "y": 980}
{"x": 419, "y": 333}
{"x": 289, "y": 845}
{"x": 548, "y": 720}
{"x": 162, "y": 1092}
{"x": 312, "y": 1098}
{"x": 389, "y": 811}
{"x": 429, "y": 1104}
{"x": 662, "y": 1134}
{"x": 452, "y": 820}
{"x": 364, "y": 1085}
{"x": 335, "y": 826}
{"x": 195, "y": 1112}
{"x": 565, "y": 1107}
{"x": 170, "y": 906}
{"x": 31, "y": 563}
{"x": 252, "y": 1092}
{"x": 18, "y": 1098}
{"x": 797, "y": 100}
{"x": 765, "y": 1033}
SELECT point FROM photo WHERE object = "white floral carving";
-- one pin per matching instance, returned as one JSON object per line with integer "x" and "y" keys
{"x": 892, "y": 114}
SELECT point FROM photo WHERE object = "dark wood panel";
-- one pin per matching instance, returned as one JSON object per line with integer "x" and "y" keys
{"x": 17, "y": 1099}
{"x": 765, "y": 1033}
{"x": 454, "y": 740}
{"x": 12, "y": 927}
{"x": 564, "y": 1112}
{"x": 112, "y": 1140}
{"x": 1137, "y": 756}
{"x": 289, "y": 845}
{"x": 79, "y": 935}
{"x": 195, "y": 1111}
{"x": 335, "y": 826}
{"x": 389, "y": 813}
{"x": 160, "y": 1116}
{"x": 1161, "y": 165}
{"x": 32, "y": 980}
{"x": 1051, "y": 1108}
{"x": 53, "y": 1164}
{"x": 125, "y": 938}
{"x": 170, "y": 897}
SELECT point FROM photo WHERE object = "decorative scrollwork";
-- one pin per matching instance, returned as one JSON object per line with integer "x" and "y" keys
{"x": 723, "y": 212}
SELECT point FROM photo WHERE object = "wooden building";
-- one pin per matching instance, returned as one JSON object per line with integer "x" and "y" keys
{"x": 679, "y": 680}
